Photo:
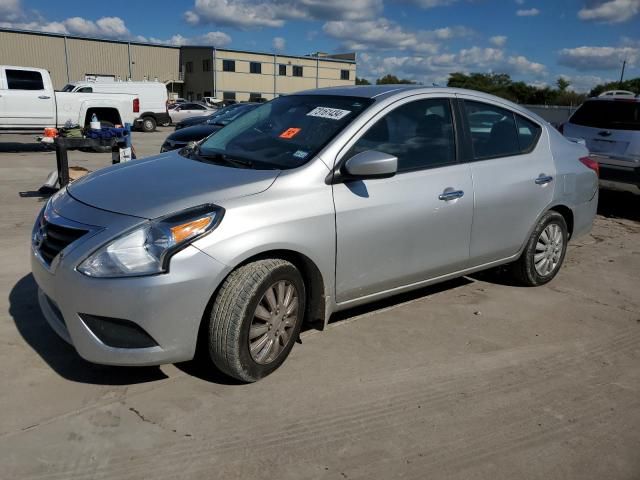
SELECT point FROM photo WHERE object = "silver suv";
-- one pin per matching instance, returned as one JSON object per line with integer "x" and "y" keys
{"x": 309, "y": 204}
{"x": 610, "y": 126}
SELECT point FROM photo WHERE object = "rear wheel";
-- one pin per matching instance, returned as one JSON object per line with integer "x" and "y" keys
{"x": 148, "y": 124}
{"x": 544, "y": 253}
{"x": 256, "y": 319}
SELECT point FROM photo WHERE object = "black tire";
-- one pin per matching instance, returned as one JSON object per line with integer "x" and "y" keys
{"x": 233, "y": 313}
{"x": 524, "y": 270}
{"x": 148, "y": 124}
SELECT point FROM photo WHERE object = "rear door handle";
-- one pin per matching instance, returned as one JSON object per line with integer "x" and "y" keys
{"x": 44, "y": 97}
{"x": 452, "y": 195}
{"x": 544, "y": 179}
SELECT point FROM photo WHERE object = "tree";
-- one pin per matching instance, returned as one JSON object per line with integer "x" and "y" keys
{"x": 562, "y": 84}
{"x": 362, "y": 81}
{"x": 393, "y": 80}
{"x": 501, "y": 85}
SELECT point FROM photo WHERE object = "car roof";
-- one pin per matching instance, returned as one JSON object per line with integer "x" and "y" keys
{"x": 616, "y": 99}
{"x": 383, "y": 92}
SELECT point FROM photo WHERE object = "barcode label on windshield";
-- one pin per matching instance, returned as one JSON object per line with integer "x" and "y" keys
{"x": 330, "y": 113}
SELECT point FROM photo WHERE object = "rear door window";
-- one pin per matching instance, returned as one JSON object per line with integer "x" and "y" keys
{"x": 24, "y": 80}
{"x": 528, "y": 134}
{"x": 609, "y": 114}
{"x": 493, "y": 130}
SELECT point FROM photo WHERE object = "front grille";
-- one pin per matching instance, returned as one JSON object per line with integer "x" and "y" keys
{"x": 55, "y": 238}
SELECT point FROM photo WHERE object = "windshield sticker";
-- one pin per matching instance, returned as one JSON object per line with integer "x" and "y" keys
{"x": 330, "y": 113}
{"x": 301, "y": 154}
{"x": 290, "y": 132}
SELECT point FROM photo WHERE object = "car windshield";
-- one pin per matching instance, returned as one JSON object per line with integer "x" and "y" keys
{"x": 229, "y": 116}
{"x": 285, "y": 132}
{"x": 609, "y": 114}
{"x": 68, "y": 88}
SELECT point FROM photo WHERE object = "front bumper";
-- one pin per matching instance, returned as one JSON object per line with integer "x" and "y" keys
{"x": 168, "y": 307}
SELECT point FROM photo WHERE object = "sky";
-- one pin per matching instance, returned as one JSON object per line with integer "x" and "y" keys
{"x": 536, "y": 41}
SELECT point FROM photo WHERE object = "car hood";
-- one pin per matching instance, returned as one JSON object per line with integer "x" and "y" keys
{"x": 194, "y": 133}
{"x": 187, "y": 122}
{"x": 165, "y": 184}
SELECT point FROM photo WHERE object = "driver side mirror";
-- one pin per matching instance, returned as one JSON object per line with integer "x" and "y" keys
{"x": 368, "y": 164}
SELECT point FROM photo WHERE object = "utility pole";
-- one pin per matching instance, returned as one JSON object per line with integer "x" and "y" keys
{"x": 624, "y": 64}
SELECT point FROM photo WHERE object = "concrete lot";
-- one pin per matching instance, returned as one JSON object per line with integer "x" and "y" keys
{"x": 474, "y": 379}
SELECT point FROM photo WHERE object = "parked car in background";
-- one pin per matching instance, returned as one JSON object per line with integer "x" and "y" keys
{"x": 182, "y": 137}
{"x": 189, "y": 109}
{"x": 309, "y": 204}
{"x": 610, "y": 126}
{"x": 152, "y": 95}
{"x": 28, "y": 102}
{"x": 190, "y": 121}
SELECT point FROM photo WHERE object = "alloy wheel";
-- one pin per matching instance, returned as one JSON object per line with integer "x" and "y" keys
{"x": 273, "y": 322}
{"x": 548, "y": 250}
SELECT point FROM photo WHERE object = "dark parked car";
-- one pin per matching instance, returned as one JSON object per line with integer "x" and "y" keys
{"x": 191, "y": 121}
{"x": 196, "y": 133}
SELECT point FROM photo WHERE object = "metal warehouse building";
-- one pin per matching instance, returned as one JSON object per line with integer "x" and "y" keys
{"x": 191, "y": 72}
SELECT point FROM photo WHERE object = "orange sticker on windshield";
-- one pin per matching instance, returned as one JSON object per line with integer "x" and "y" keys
{"x": 290, "y": 132}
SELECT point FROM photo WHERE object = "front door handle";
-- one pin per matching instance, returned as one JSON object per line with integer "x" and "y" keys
{"x": 544, "y": 179}
{"x": 451, "y": 195}
{"x": 44, "y": 97}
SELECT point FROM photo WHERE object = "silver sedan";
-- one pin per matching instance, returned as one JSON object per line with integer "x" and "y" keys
{"x": 310, "y": 204}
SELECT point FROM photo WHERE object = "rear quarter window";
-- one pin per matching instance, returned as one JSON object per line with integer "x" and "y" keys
{"x": 609, "y": 115}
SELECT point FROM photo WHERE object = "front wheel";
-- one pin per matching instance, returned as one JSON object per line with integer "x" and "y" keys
{"x": 544, "y": 252}
{"x": 256, "y": 319}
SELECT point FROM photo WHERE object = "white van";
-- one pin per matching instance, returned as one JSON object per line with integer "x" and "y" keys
{"x": 152, "y": 95}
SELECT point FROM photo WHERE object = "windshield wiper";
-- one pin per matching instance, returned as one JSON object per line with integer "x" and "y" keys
{"x": 223, "y": 158}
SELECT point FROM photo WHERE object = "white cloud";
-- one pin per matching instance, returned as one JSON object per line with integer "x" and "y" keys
{"x": 436, "y": 68}
{"x": 217, "y": 39}
{"x": 610, "y": 11}
{"x": 598, "y": 58}
{"x": 531, "y": 12}
{"x": 498, "y": 40}
{"x": 274, "y": 13}
{"x": 524, "y": 66}
{"x": 431, "y": 3}
{"x": 385, "y": 34}
{"x": 40, "y": 26}
{"x": 279, "y": 44}
{"x": 10, "y": 10}
{"x": 111, "y": 27}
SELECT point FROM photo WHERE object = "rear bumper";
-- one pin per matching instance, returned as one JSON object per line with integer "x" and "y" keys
{"x": 615, "y": 173}
{"x": 583, "y": 216}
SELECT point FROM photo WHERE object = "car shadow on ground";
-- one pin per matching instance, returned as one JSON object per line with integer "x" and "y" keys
{"x": 60, "y": 356}
{"x": 619, "y": 204}
{"x": 27, "y": 147}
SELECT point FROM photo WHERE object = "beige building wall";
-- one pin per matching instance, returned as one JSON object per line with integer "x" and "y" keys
{"x": 103, "y": 57}
{"x": 95, "y": 57}
{"x": 242, "y": 82}
{"x": 153, "y": 62}
{"x": 38, "y": 51}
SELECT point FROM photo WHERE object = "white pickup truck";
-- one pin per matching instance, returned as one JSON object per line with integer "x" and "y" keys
{"x": 28, "y": 102}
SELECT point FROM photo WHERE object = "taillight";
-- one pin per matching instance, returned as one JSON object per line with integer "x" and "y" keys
{"x": 136, "y": 105}
{"x": 591, "y": 163}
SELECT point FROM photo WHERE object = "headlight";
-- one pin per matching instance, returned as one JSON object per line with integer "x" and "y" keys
{"x": 146, "y": 250}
